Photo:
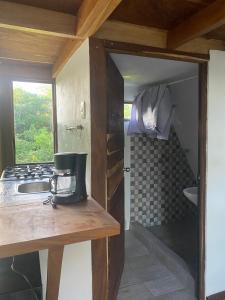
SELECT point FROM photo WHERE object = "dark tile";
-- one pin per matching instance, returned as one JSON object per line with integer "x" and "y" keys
{"x": 134, "y": 292}
{"x": 146, "y": 277}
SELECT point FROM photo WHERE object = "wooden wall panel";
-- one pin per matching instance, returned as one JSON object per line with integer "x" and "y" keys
{"x": 116, "y": 254}
{"x": 114, "y": 157}
{"x": 115, "y": 175}
{"x": 114, "y": 142}
{"x": 114, "y": 179}
{"x": 7, "y": 142}
{"x": 107, "y": 90}
{"x": 98, "y": 162}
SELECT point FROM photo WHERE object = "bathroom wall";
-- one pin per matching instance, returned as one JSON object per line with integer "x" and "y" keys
{"x": 215, "y": 191}
{"x": 159, "y": 173}
{"x": 185, "y": 96}
{"x": 72, "y": 88}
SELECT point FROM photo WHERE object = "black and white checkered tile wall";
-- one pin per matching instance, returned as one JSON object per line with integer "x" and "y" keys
{"x": 159, "y": 173}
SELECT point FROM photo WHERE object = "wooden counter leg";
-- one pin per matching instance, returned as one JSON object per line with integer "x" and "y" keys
{"x": 55, "y": 256}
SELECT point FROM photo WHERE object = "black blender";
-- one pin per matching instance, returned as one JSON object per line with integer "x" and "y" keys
{"x": 67, "y": 185}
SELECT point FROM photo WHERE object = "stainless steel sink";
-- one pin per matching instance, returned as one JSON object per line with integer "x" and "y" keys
{"x": 34, "y": 187}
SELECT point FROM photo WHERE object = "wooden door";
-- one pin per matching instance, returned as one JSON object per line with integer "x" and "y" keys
{"x": 107, "y": 142}
{"x": 115, "y": 179}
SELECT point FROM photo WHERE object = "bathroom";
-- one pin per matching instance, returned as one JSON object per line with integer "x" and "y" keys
{"x": 161, "y": 179}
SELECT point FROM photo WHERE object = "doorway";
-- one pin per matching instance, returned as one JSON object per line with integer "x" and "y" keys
{"x": 160, "y": 218}
{"x": 101, "y": 90}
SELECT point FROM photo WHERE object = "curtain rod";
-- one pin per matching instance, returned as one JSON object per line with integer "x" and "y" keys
{"x": 181, "y": 80}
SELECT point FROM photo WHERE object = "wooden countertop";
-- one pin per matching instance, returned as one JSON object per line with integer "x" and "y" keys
{"x": 31, "y": 227}
{"x": 26, "y": 225}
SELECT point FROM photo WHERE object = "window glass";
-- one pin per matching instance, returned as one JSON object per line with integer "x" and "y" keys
{"x": 127, "y": 111}
{"x": 33, "y": 122}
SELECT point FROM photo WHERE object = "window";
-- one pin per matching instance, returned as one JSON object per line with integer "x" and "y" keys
{"x": 127, "y": 111}
{"x": 33, "y": 119}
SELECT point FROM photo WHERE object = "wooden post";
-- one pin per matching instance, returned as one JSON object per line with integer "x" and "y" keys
{"x": 55, "y": 256}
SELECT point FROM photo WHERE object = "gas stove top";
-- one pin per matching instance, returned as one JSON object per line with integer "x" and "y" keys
{"x": 32, "y": 171}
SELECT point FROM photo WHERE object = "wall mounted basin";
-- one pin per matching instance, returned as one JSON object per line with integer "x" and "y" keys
{"x": 191, "y": 194}
{"x": 34, "y": 187}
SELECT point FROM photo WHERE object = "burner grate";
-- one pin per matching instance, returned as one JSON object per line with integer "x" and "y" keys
{"x": 29, "y": 171}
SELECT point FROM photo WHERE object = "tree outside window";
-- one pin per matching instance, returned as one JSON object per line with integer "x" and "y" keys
{"x": 33, "y": 115}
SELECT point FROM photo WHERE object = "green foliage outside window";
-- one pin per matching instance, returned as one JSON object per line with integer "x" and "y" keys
{"x": 127, "y": 111}
{"x": 33, "y": 123}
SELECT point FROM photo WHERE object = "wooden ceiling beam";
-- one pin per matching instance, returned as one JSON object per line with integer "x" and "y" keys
{"x": 36, "y": 20}
{"x": 91, "y": 15}
{"x": 203, "y": 2}
{"x": 204, "y": 21}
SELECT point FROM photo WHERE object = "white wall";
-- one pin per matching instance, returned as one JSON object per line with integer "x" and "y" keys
{"x": 72, "y": 88}
{"x": 185, "y": 96}
{"x": 130, "y": 92}
{"x": 215, "y": 200}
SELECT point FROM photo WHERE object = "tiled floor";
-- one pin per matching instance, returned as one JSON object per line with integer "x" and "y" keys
{"x": 145, "y": 277}
{"x": 182, "y": 238}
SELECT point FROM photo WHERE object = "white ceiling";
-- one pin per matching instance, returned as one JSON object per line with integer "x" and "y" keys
{"x": 138, "y": 71}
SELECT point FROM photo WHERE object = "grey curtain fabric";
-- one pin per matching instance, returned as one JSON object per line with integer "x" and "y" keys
{"x": 152, "y": 113}
{"x": 7, "y": 150}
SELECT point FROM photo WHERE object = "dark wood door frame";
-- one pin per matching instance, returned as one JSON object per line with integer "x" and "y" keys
{"x": 98, "y": 50}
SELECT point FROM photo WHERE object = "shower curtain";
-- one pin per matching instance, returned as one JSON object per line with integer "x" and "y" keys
{"x": 152, "y": 113}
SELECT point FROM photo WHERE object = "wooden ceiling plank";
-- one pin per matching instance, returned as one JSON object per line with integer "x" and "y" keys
{"x": 17, "y": 70}
{"x": 147, "y": 36}
{"x": 65, "y": 6}
{"x": 91, "y": 15}
{"x": 36, "y": 20}
{"x": 132, "y": 33}
{"x": 206, "y": 20}
{"x": 27, "y": 46}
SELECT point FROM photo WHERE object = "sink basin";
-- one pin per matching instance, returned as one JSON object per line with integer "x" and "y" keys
{"x": 192, "y": 194}
{"x": 34, "y": 187}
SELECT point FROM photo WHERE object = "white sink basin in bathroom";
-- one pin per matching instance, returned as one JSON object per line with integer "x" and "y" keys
{"x": 192, "y": 194}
